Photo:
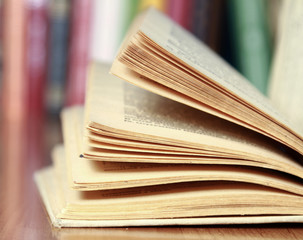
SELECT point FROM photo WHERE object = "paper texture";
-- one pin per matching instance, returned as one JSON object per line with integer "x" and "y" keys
{"x": 286, "y": 82}
{"x": 44, "y": 180}
{"x": 117, "y": 109}
{"x": 169, "y": 61}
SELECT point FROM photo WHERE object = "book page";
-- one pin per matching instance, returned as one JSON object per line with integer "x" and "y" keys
{"x": 286, "y": 82}
{"x": 96, "y": 175}
{"x": 191, "y": 51}
{"x": 174, "y": 200}
{"x": 45, "y": 180}
{"x": 45, "y": 183}
{"x": 88, "y": 175}
{"x": 160, "y": 70}
{"x": 116, "y": 106}
{"x": 137, "y": 110}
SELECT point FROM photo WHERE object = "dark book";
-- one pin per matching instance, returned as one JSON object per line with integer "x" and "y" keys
{"x": 59, "y": 11}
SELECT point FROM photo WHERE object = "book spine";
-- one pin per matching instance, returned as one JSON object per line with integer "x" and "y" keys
{"x": 106, "y": 38}
{"x": 130, "y": 11}
{"x": 78, "y": 51}
{"x": 181, "y": 11}
{"x": 36, "y": 72}
{"x": 58, "y": 48}
{"x": 207, "y": 16}
{"x": 159, "y": 4}
{"x": 13, "y": 91}
{"x": 36, "y": 55}
{"x": 250, "y": 37}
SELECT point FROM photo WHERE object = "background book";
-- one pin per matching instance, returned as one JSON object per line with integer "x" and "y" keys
{"x": 251, "y": 40}
{"x": 159, "y": 4}
{"x": 106, "y": 38}
{"x": 36, "y": 74}
{"x": 78, "y": 53}
{"x": 96, "y": 31}
{"x": 201, "y": 17}
{"x": 13, "y": 109}
{"x": 13, "y": 89}
{"x": 181, "y": 11}
{"x": 207, "y": 21}
{"x": 59, "y": 16}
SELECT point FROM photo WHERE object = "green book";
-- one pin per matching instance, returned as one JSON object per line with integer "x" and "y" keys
{"x": 251, "y": 40}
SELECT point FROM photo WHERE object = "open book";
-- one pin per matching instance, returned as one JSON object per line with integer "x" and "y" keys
{"x": 201, "y": 147}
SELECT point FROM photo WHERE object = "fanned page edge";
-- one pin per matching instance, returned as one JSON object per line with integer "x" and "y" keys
{"x": 138, "y": 26}
{"x": 78, "y": 181}
{"x": 147, "y": 29}
{"x": 99, "y": 123}
{"x": 41, "y": 176}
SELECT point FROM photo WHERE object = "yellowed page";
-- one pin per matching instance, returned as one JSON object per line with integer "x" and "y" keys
{"x": 286, "y": 85}
{"x": 176, "y": 200}
{"x": 45, "y": 180}
{"x": 115, "y": 106}
{"x": 90, "y": 175}
{"x": 190, "y": 50}
{"x": 156, "y": 45}
{"x": 96, "y": 175}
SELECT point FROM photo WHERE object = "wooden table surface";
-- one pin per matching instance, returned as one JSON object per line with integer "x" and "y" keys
{"x": 22, "y": 214}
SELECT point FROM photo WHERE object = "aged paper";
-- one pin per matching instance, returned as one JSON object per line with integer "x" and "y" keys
{"x": 139, "y": 115}
{"x": 89, "y": 175}
{"x": 168, "y": 201}
{"x": 169, "y": 56}
{"x": 286, "y": 86}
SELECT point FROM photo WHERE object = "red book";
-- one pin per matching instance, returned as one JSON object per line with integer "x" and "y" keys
{"x": 13, "y": 90}
{"x": 181, "y": 11}
{"x": 78, "y": 51}
{"x": 13, "y": 113}
{"x": 36, "y": 72}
